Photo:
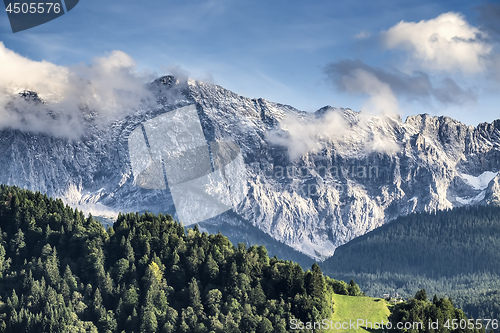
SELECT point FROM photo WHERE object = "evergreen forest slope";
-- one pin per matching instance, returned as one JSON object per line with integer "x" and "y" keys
{"x": 63, "y": 272}
{"x": 454, "y": 253}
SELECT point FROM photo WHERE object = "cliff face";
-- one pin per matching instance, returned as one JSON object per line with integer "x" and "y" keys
{"x": 362, "y": 171}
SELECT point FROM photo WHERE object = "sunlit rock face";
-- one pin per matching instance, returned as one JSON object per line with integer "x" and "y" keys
{"x": 311, "y": 181}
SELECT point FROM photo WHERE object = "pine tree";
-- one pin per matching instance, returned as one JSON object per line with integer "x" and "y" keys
{"x": 18, "y": 244}
{"x": 195, "y": 297}
{"x": 211, "y": 268}
{"x": 421, "y": 295}
{"x": 354, "y": 289}
{"x": 149, "y": 324}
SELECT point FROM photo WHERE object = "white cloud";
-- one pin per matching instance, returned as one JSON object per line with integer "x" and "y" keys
{"x": 495, "y": 67}
{"x": 362, "y": 35}
{"x": 360, "y": 132}
{"x": 446, "y": 42}
{"x": 308, "y": 134}
{"x": 369, "y": 132}
{"x": 21, "y": 73}
{"x": 99, "y": 93}
{"x": 381, "y": 100}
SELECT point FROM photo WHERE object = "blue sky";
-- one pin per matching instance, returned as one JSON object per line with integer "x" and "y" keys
{"x": 304, "y": 53}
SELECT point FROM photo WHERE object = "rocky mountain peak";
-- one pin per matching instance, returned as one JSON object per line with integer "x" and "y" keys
{"x": 31, "y": 96}
{"x": 313, "y": 204}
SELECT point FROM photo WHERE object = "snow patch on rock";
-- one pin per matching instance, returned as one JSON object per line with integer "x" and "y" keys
{"x": 479, "y": 182}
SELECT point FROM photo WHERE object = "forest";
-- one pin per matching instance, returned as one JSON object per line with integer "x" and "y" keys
{"x": 454, "y": 253}
{"x": 422, "y": 315}
{"x": 62, "y": 271}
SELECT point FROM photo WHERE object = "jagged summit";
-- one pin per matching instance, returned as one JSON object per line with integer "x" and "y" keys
{"x": 313, "y": 204}
{"x": 425, "y": 119}
{"x": 168, "y": 81}
{"x": 325, "y": 109}
{"x": 30, "y": 95}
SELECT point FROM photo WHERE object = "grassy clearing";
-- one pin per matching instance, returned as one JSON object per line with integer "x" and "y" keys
{"x": 348, "y": 308}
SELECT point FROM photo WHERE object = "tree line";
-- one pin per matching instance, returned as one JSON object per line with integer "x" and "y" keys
{"x": 453, "y": 252}
{"x": 63, "y": 272}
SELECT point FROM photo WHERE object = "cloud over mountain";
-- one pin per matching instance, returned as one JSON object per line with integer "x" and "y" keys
{"x": 98, "y": 93}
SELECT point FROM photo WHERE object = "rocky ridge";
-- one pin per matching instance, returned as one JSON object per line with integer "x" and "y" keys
{"x": 350, "y": 182}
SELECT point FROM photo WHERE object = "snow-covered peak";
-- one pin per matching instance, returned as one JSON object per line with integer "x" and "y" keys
{"x": 351, "y": 172}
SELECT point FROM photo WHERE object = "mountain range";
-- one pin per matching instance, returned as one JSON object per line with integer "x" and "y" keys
{"x": 312, "y": 181}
